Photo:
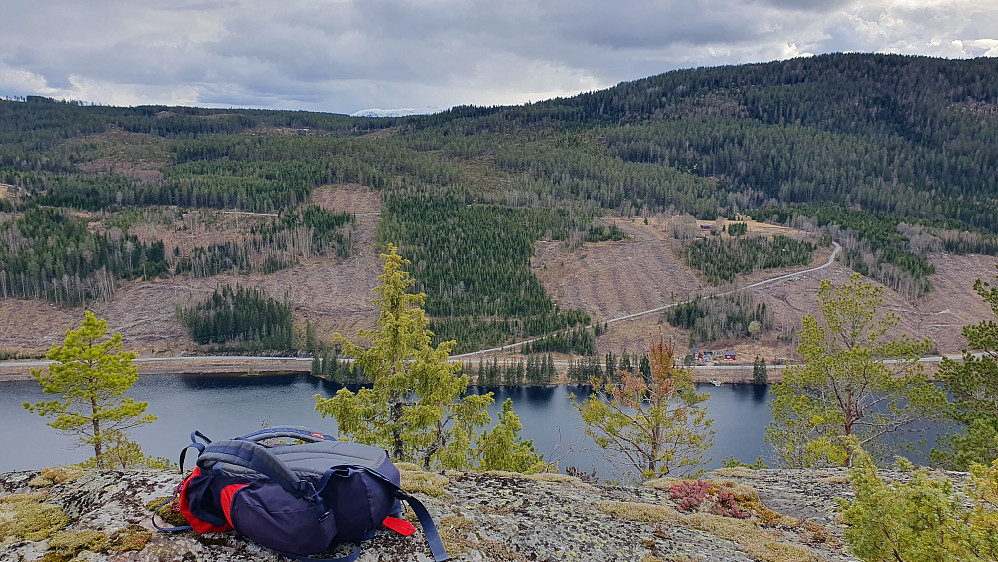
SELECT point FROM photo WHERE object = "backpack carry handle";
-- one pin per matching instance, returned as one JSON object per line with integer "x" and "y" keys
{"x": 302, "y": 433}
{"x": 253, "y": 456}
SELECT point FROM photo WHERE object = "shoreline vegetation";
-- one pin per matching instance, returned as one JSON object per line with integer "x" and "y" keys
{"x": 15, "y": 370}
{"x": 18, "y": 370}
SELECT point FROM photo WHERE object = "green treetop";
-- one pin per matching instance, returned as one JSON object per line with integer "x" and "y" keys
{"x": 415, "y": 407}
{"x": 921, "y": 517}
{"x": 974, "y": 387}
{"x": 854, "y": 381}
{"x": 91, "y": 375}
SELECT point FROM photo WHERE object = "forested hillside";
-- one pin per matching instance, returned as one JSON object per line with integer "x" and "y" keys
{"x": 891, "y": 156}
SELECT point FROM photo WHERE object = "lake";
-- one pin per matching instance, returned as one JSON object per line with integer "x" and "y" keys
{"x": 223, "y": 406}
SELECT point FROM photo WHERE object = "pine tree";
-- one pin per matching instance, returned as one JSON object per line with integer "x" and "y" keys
{"x": 91, "y": 375}
{"x": 657, "y": 428}
{"x": 974, "y": 387}
{"x": 845, "y": 387}
{"x": 759, "y": 375}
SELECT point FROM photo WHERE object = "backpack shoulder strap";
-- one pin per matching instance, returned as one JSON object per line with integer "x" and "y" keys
{"x": 426, "y": 522}
{"x": 253, "y": 456}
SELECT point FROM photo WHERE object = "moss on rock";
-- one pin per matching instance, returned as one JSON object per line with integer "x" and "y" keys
{"x": 72, "y": 542}
{"x": 167, "y": 510}
{"x": 56, "y": 475}
{"x": 25, "y": 516}
{"x": 132, "y": 537}
{"x": 429, "y": 483}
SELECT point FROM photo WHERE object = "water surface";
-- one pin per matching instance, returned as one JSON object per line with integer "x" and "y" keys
{"x": 223, "y": 406}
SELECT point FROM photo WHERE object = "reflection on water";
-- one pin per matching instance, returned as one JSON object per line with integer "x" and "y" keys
{"x": 223, "y": 406}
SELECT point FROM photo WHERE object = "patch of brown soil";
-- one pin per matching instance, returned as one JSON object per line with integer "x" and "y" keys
{"x": 381, "y": 133}
{"x": 32, "y": 326}
{"x": 141, "y": 171}
{"x": 611, "y": 279}
{"x": 270, "y": 130}
{"x": 351, "y": 197}
{"x": 197, "y": 227}
{"x": 333, "y": 294}
{"x": 953, "y": 304}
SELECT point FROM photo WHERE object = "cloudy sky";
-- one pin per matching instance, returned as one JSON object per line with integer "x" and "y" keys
{"x": 343, "y": 56}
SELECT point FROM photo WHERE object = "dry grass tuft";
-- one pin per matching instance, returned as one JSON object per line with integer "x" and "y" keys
{"x": 771, "y": 518}
{"x": 837, "y": 479}
{"x": 756, "y": 542}
{"x": 817, "y": 533}
{"x": 454, "y": 531}
{"x": 663, "y": 483}
{"x": 737, "y": 472}
{"x": 556, "y": 477}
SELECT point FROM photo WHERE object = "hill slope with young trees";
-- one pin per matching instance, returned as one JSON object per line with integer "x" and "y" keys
{"x": 895, "y": 157}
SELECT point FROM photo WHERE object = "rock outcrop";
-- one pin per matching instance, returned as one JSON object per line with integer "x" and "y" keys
{"x": 736, "y": 515}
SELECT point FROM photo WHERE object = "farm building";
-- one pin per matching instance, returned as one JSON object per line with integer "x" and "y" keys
{"x": 729, "y": 355}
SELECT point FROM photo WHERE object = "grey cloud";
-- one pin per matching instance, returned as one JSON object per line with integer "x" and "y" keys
{"x": 344, "y": 56}
{"x": 821, "y": 6}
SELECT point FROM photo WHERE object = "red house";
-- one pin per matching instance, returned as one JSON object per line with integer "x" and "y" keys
{"x": 729, "y": 355}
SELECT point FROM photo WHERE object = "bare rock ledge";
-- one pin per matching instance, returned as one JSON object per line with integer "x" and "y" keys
{"x": 481, "y": 517}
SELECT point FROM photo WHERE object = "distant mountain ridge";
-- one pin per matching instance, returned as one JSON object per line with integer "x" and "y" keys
{"x": 398, "y": 112}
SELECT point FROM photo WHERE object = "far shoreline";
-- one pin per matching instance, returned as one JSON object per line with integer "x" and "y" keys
{"x": 19, "y": 370}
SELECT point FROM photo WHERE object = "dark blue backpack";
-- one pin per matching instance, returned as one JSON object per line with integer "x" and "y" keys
{"x": 298, "y": 499}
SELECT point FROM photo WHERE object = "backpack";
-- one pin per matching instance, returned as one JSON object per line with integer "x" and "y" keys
{"x": 298, "y": 499}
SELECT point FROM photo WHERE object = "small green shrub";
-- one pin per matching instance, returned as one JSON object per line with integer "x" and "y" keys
{"x": 924, "y": 518}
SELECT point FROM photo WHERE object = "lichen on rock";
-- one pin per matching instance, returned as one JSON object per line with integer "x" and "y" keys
{"x": 480, "y": 516}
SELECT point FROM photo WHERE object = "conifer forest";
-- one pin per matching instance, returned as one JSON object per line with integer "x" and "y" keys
{"x": 890, "y": 156}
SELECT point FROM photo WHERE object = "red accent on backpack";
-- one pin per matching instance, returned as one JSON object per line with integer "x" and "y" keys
{"x": 400, "y": 526}
{"x": 185, "y": 508}
{"x": 226, "y": 496}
